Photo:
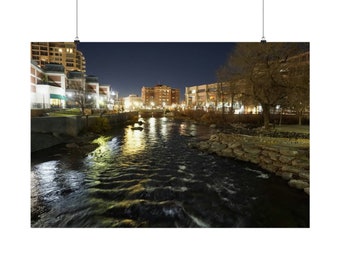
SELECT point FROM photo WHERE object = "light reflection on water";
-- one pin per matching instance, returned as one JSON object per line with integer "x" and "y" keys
{"x": 150, "y": 178}
{"x": 134, "y": 142}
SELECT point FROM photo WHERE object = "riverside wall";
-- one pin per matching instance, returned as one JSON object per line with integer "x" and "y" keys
{"x": 49, "y": 131}
{"x": 288, "y": 158}
{"x": 73, "y": 125}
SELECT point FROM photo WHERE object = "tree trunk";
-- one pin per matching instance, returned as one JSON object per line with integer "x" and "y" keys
{"x": 280, "y": 121}
{"x": 300, "y": 118}
{"x": 266, "y": 115}
{"x": 231, "y": 111}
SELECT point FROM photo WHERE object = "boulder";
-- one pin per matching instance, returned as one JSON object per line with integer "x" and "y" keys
{"x": 299, "y": 184}
{"x": 238, "y": 153}
{"x": 266, "y": 160}
{"x": 227, "y": 152}
{"x": 304, "y": 174}
{"x": 301, "y": 163}
{"x": 273, "y": 156}
{"x": 203, "y": 146}
{"x": 213, "y": 138}
{"x": 72, "y": 145}
{"x": 251, "y": 150}
{"x": 286, "y": 175}
{"x": 285, "y": 159}
{"x": 234, "y": 145}
{"x": 306, "y": 190}
{"x": 289, "y": 152}
{"x": 216, "y": 146}
{"x": 269, "y": 167}
{"x": 292, "y": 169}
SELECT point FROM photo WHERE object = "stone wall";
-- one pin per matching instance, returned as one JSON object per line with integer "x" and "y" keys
{"x": 49, "y": 131}
{"x": 73, "y": 125}
{"x": 288, "y": 158}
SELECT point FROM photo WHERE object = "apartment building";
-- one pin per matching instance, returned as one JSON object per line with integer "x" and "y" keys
{"x": 227, "y": 95}
{"x": 48, "y": 86}
{"x": 160, "y": 96}
{"x": 63, "y": 53}
{"x": 132, "y": 103}
{"x": 51, "y": 87}
{"x": 218, "y": 96}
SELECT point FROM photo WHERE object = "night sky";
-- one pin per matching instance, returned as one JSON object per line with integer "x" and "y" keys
{"x": 127, "y": 67}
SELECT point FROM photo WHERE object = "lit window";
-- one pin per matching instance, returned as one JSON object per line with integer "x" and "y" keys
{"x": 60, "y": 49}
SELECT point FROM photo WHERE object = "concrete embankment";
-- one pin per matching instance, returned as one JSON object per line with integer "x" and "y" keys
{"x": 288, "y": 158}
{"x": 50, "y": 131}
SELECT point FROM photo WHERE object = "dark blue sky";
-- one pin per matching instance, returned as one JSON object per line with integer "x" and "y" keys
{"x": 127, "y": 67}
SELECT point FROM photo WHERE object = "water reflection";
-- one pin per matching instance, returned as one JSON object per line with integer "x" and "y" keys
{"x": 188, "y": 129}
{"x": 152, "y": 128}
{"x": 134, "y": 141}
{"x": 164, "y": 128}
{"x": 151, "y": 178}
{"x": 43, "y": 182}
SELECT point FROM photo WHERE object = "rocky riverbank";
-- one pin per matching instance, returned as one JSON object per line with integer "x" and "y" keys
{"x": 286, "y": 157}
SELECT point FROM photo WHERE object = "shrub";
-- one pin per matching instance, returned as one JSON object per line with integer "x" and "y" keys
{"x": 101, "y": 125}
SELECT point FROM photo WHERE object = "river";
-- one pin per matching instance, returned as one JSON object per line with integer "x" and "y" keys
{"x": 151, "y": 178}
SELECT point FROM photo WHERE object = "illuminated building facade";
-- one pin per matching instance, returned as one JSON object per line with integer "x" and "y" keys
{"x": 132, "y": 103}
{"x": 218, "y": 96}
{"x": 227, "y": 95}
{"x": 48, "y": 86}
{"x": 160, "y": 96}
{"x": 58, "y": 73}
{"x": 63, "y": 53}
{"x": 51, "y": 87}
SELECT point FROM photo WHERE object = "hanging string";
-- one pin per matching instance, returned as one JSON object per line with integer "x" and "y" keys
{"x": 263, "y": 39}
{"x": 76, "y": 39}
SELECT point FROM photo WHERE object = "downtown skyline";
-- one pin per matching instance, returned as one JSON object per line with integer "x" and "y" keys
{"x": 128, "y": 66}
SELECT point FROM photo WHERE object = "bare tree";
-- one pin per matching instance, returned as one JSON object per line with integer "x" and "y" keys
{"x": 228, "y": 78}
{"x": 298, "y": 94}
{"x": 262, "y": 67}
{"x": 79, "y": 94}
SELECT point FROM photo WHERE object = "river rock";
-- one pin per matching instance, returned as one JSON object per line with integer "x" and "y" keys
{"x": 72, "y": 145}
{"x": 234, "y": 145}
{"x": 301, "y": 163}
{"x": 204, "y": 145}
{"x": 238, "y": 153}
{"x": 214, "y": 138}
{"x": 304, "y": 174}
{"x": 269, "y": 167}
{"x": 227, "y": 152}
{"x": 286, "y": 175}
{"x": 265, "y": 160}
{"x": 216, "y": 146}
{"x": 292, "y": 169}
{"x": 285, "y": 159}
{"x": 274, "y": 156}
{"x": 251, "y": 150}
{"x": 289, "y": 152}
{"x": 299, "y": 184}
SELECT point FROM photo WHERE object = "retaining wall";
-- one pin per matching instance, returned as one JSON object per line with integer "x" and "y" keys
{"x": 288, "y": 158}
{"x": 73, "y": 125}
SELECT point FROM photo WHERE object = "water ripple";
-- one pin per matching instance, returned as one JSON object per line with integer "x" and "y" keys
{"x": 151, "y": 178}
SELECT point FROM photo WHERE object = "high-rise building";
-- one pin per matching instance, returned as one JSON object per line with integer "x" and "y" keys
{"x": 64, "y": 53}
{"x": 160, "y": 96}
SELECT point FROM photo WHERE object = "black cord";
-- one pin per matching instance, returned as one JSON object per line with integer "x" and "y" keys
{"x": 263, "y": 38}
{"x": 76, "y": 39}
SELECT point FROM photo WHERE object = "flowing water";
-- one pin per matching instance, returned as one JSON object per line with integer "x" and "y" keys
{"x": 151, "y": 178}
